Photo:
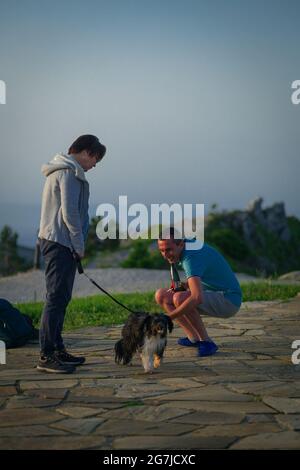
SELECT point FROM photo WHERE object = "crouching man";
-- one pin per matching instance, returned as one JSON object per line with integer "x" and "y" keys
{"x": 212, "y": 289}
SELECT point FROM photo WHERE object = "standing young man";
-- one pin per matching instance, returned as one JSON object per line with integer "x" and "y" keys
{"x": 212, "y": 289}
{"x": 63, "y": 232}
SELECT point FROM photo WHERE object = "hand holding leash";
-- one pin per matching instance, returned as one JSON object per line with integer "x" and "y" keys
{"x": 176, "y": 284}
{"x": 78, "y": 262}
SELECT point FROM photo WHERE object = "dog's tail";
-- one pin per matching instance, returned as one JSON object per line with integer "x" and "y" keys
{"x": 119, "y": 351}
{"x": 121, "y": 355}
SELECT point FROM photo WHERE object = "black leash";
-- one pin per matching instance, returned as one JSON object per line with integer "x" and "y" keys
{"x": 81, "y": 271}
{"x": 176, "y": 285}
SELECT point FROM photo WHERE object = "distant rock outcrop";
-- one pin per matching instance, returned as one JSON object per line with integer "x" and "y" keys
{"x": 263, "y": 239}
{"x": 292, "y": 276}
{"x": 272, "y": 218}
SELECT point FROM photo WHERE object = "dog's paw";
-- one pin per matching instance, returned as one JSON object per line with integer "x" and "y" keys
{"x": 157, "y": 362}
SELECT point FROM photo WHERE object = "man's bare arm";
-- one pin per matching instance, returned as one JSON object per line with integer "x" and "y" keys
{"x": 194, "y": 299}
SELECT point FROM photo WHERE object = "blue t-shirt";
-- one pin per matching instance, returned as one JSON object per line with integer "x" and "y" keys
{"x": 214, "y": 271}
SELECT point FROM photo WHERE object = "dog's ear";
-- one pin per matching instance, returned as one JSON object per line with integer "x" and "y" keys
{"x": 147, "y": 324}
{"x": 170, "y": 324}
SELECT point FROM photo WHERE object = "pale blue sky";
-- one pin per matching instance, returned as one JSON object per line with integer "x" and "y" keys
{"x": 191, "y": 98}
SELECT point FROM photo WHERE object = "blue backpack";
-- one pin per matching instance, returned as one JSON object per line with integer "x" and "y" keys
{"x": 15, "y": 328}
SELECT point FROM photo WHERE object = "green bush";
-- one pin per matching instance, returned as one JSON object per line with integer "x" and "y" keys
{"x": 141, "y": 257}
{"x": 267, "y": 254}
{"x": 229, "y": 242}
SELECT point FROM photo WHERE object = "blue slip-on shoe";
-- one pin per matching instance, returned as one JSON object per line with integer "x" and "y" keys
{"x": 187, "y": 342}
{"x": 206, "y": 348}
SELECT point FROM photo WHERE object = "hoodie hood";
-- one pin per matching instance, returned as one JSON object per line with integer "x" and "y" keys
{"x": 62, "y": 162}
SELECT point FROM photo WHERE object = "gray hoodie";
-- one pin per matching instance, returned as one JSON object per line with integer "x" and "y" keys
{"x": 64, "y": 214}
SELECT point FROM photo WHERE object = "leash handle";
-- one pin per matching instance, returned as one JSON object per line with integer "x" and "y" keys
{"x": 176, "y": 284}
{"x": 78, "y": 262}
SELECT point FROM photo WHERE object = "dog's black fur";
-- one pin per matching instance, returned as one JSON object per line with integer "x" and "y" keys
{"x": 138, "y": 328}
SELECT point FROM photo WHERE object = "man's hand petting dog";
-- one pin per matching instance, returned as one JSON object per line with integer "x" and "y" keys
{"x": 146, "y": 334}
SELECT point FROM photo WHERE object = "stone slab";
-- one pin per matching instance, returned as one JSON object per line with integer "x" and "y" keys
{"x": 52, "y": 443}
{"x": 283, "y": 405}
{"x": 279, "y": 440}
{"x": 171, "y": 442}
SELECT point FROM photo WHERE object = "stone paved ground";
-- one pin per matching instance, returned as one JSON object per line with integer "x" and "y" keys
{"x": 247, "y": 396}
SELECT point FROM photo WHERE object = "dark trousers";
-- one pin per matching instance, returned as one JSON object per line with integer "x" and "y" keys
{"x": 60, "y": 269}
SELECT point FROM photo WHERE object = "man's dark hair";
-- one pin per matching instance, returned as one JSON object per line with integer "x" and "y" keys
{"x": 91, "y": 144}
{"x": 174, "y": 235}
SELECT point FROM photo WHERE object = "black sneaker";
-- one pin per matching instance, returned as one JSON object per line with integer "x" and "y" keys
{"x": 68, "y": 359}
{"x": 52, "y": 364}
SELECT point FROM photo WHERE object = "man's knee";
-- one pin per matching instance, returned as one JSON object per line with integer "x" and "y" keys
{"x": 180, "y": 297}
{"x": 160, "y": 296}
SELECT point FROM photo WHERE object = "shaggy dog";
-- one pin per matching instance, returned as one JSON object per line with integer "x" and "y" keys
{"x": 146, "y": 334}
